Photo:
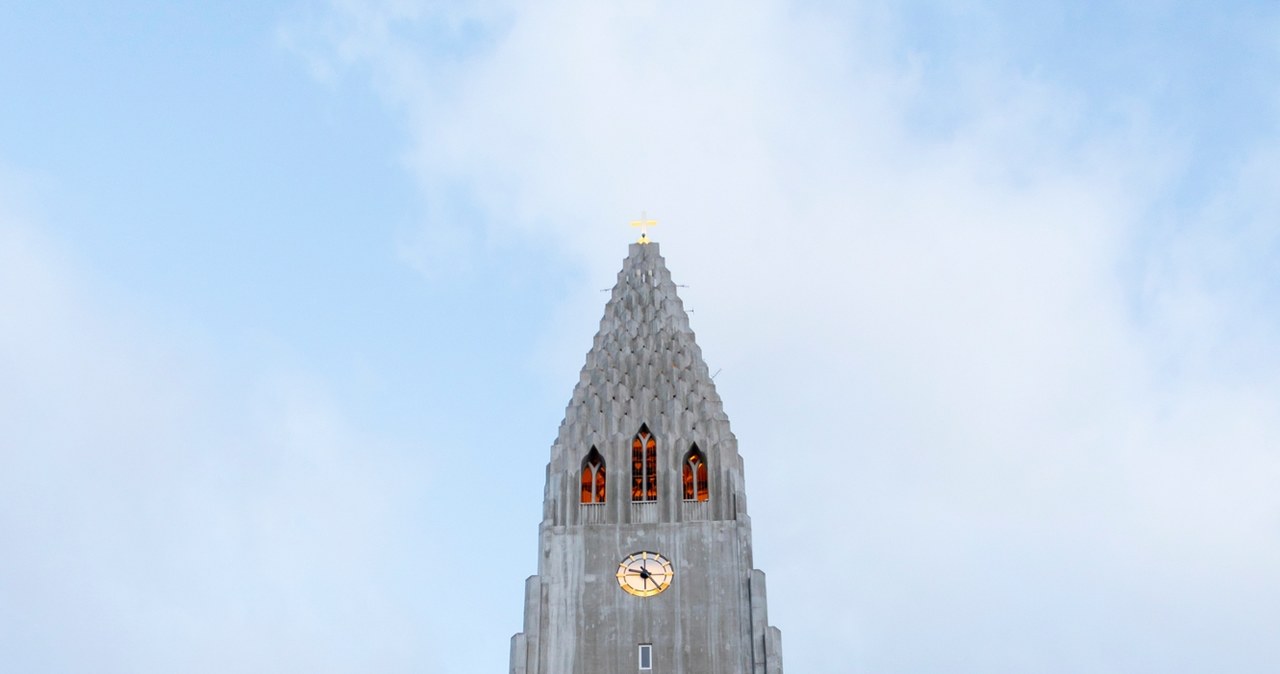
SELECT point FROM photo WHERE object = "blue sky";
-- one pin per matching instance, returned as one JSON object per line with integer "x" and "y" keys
{"x": 292, "y": 297}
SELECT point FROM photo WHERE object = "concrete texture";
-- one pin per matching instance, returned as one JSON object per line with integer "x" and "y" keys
{"x": 645, "y": 368}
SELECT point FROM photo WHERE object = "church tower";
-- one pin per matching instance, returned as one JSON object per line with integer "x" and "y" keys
{"x": 645, "y": 544}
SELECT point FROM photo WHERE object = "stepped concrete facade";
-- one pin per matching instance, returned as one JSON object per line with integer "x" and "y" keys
{"x": 645, "y": 543}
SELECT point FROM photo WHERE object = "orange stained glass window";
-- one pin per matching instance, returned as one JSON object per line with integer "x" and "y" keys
{"x": 694, "y": 476}
{"x": 644, "y": 466}
{"x": 593, "y": 475}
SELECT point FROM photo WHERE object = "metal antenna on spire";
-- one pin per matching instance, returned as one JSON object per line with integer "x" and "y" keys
{"x": 644, "y": 224}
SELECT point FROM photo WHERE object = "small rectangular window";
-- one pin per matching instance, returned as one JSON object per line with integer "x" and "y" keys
{"x": 646, "y": 656}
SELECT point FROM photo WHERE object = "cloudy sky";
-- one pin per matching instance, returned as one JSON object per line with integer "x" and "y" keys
{"x": 293, "y": 294}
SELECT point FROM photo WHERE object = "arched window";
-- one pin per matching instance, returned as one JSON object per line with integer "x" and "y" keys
{"x": 593, "y": 477}
{"x": 644, "y": 466}
{"x": 695, "y": 476}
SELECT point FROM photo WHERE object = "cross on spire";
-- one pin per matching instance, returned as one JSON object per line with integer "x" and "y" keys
{"x": 644, "y": 225}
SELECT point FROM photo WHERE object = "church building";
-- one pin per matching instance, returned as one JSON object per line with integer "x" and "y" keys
{"x": 644, "y": 560}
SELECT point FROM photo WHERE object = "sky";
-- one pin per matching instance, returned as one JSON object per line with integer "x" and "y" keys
{"x": 293, "y": 296}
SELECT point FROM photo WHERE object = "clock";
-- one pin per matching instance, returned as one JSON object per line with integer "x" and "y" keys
{"x": 644, "y": 574}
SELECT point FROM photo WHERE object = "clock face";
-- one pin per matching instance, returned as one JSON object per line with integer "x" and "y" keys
{"x": 645, "y": 574}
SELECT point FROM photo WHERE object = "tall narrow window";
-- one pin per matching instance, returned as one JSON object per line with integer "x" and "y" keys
{"x": 646, "y": 656}
{"x": 593, "y": 477}
{"x": 644, "y": 466}
{"x": 695, "y": 476}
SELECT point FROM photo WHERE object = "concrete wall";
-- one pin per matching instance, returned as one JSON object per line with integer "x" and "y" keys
{"x": 710, "y": 620}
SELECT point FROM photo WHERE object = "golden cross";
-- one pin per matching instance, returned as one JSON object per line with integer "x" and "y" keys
{"x": 644, "y": 226}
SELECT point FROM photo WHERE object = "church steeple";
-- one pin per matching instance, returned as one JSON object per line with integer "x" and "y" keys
{"x": 645, "y": 368}
{"x": 645, "y": 541}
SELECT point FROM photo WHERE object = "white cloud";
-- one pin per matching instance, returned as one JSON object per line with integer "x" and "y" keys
{"x": 1044, "y": 398}
{"x": 159, "y": 516}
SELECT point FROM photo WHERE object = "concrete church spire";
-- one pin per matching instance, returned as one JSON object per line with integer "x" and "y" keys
{"x": 645, "y": 367}
{"x": 645, "y": 557}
